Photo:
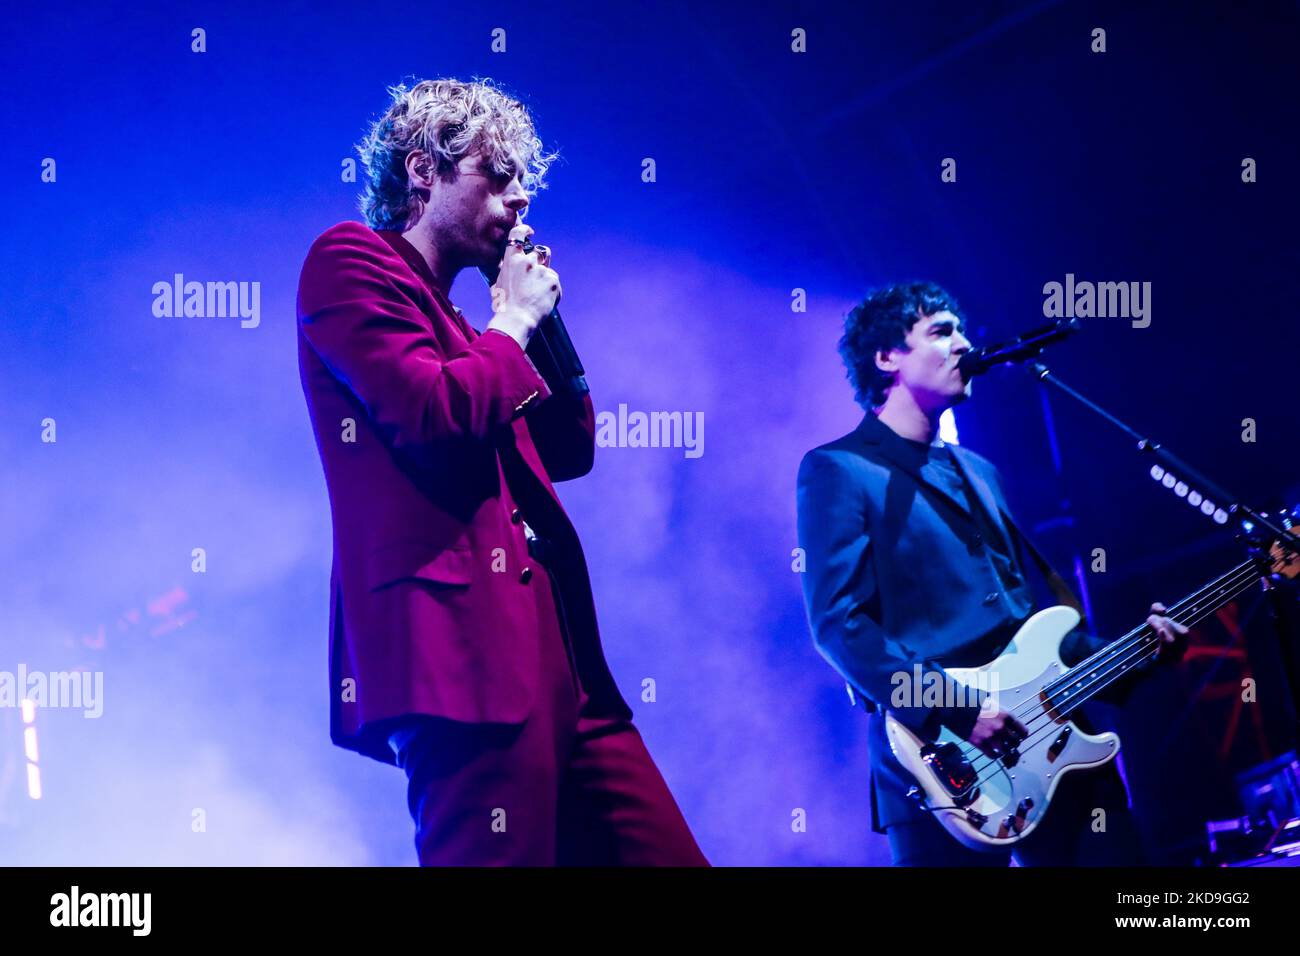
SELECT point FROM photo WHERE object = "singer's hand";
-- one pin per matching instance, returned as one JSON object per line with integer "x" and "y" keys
{"x": 525, "y": 292}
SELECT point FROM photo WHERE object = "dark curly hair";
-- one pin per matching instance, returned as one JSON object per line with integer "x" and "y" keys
{"x": 880, "y": 323}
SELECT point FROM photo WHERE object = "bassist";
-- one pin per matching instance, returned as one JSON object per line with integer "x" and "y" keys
{"x": 914, "y": 561}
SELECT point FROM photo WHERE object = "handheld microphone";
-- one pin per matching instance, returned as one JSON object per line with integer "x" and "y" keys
{"x": 550, "y": 347}
{"x": 1028, "y": 346}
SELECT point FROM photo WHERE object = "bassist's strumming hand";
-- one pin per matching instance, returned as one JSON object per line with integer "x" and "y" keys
{"x": 997, "y": 734}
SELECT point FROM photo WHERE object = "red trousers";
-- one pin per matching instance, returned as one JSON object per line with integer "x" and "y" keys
{"x": 567, "y": 787}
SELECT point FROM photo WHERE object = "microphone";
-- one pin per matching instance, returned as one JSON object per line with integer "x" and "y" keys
{"x": 1028, "y": 346}
{"x": 550, "y": 347}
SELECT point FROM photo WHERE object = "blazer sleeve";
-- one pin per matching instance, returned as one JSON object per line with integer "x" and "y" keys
{"x": 564, "y": 431}
{"x": 842, "y": 598}
{"x": 372, "y": 335}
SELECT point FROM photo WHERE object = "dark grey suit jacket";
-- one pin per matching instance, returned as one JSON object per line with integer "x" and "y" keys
{"x": 899, "y": 574}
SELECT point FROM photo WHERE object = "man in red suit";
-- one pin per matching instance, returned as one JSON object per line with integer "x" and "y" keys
{"x": 463, "y": 637}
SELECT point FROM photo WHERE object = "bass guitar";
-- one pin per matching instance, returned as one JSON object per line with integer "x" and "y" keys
{"x": 992, "y": 802}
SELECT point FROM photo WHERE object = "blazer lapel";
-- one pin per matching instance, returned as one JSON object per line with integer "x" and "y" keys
{"x": 520, "y": 438}
{"x": 982, "y": 491}
{"x": 411, "y": 256}
{"x": 883, "y": 440}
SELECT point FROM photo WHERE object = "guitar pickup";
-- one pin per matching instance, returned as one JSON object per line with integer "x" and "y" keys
{"x": 1058, "y": 744}
{"x": 952, "y": 768}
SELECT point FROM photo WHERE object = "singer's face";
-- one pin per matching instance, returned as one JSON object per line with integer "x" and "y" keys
{"x": 928, "y": 368}
{"x": 478, "y": 209}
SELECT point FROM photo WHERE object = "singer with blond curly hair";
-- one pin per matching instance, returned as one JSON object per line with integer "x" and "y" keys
{"x": 463, "y": 639}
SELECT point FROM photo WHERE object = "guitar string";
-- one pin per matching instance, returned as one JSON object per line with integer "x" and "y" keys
{"x": 1052, "y": 723}
{"x": 1145, "y": 644}
{"x": 1209, "y": 592}
{"x": 1119, "y": 655}
{"x": 1187, "y": 612}
{"x": 1115, "y": 656}
{"x": 995, "y": 763}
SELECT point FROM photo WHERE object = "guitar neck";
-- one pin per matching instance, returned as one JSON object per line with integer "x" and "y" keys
{"x": 1094, "y": 674}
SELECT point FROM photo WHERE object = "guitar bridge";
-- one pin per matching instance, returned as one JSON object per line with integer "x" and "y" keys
{"x": 954, "y": 771}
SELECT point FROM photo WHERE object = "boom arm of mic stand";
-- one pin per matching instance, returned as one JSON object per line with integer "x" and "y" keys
{"x": 1174, "y": 463}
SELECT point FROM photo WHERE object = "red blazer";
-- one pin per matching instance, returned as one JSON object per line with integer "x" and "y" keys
{"x": 436, "y": 442}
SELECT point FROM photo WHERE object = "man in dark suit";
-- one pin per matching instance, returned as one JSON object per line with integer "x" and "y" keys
{"x": 463, "y": 637}
{"x": 913, "y": 561}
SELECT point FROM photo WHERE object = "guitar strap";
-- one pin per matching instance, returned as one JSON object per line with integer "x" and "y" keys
{"x": 1060, "y": 589}
{"x": 1055, "y": 581}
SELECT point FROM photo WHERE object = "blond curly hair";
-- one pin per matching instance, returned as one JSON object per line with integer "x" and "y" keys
{"x": 448, "y": 120}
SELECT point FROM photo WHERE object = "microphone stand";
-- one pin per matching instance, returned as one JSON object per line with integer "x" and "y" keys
{"x": 1171, "y": 465}
{"x": 1216, "y": 502}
